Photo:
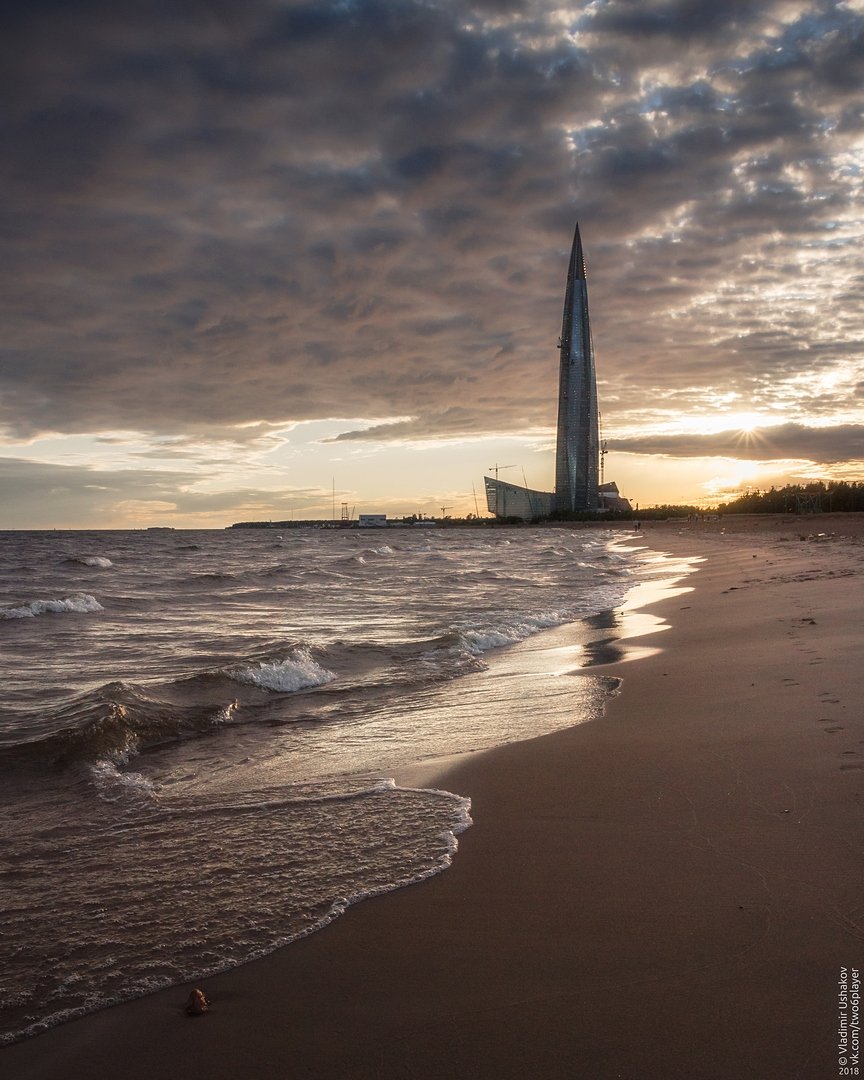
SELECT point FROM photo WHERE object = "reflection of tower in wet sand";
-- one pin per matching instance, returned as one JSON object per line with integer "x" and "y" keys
{"x": 577, "y": 456}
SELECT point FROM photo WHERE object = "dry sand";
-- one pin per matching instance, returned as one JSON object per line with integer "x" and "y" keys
{"x": 669, "y": 892}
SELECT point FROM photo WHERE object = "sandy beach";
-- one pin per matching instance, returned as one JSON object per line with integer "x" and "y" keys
{"x": 669, "y": 892}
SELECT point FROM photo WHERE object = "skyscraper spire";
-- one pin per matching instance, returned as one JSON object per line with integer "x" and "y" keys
{"x": 577, "y": 259}
{"x": 577, "y": 457}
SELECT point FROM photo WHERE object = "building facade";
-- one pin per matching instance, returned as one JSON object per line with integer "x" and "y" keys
{"x": 577, "y": 454}
{"x": 512, "y": 500}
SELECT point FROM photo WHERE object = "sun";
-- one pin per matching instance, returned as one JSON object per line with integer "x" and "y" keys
{"x": 746, "y": 421}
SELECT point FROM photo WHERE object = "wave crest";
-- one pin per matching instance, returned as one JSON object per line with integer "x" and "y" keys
{"x": 114, "y": 785}
{"x": 88, "y": 560}
{"x": 479, "y": 638}
{"x": 114, "y": 722}
{"x": 297, "y": 672}
{"x": 78, "y": 602}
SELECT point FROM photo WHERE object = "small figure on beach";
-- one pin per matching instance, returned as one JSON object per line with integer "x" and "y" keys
{"x": 637, "y": 527}
{"x": 197, "y": 1003}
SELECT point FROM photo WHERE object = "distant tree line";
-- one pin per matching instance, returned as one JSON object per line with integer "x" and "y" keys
{"x": 820, "y": 496}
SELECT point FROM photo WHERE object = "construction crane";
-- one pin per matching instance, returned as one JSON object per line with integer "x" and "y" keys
{"x": 603, "y": 449}
{"x": 444, "y": 510}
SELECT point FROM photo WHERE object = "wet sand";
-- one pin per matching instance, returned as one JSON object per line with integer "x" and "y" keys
{"x": 669, "y": 892}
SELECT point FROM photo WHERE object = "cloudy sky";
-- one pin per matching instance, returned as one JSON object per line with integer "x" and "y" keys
{"x": 264, "y": 257}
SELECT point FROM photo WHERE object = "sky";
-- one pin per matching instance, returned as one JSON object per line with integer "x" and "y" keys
{"x": 264, "y": 259}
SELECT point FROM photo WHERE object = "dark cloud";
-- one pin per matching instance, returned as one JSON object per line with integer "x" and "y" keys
{"x": 450, "y": 423}
{"x": 823, "y": 445}
{"x": 677, "y": 19}
{"x": 219, "y": 214}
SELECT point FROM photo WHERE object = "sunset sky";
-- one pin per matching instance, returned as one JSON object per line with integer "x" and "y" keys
{"x": 257, "y": 253}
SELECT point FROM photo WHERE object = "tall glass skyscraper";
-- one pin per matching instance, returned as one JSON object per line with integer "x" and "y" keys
{"x": 577, "y": 458}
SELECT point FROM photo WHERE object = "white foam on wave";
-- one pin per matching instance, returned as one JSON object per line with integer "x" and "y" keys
{"x": 144, "y": 972}
{"x": 479, "y": 639}
{"x": 79, "y": 602}
{"x": 285, "y": 676}
{"x": 339, "y": 790}
{"x": 114, "y": 785}
{"x": 449, "y": 839}
{"x": 474, "y": 639}
{"x": 97, "y": 560}
{"x": 360, "y": 557}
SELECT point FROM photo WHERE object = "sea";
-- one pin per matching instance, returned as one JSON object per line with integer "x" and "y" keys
{"x": 200, "y": 730}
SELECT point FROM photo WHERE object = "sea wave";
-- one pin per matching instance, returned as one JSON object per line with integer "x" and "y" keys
{"x": 78, "y": 602}
{"x": 462, "y": 649}
{"x": 480, "y": 637}
{"x": 115, "y": 785}
{"x": 98, "y": 561}
{"x": 266, "y": 898}
{"x": 113, "y": 723}
{"x": 297, "y": 672}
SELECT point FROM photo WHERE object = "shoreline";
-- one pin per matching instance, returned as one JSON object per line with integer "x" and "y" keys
{"x": 669, "y": 891}
{"x": 616, "y": 636}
